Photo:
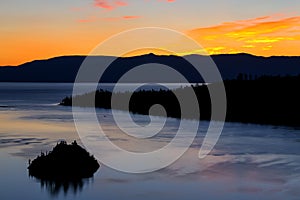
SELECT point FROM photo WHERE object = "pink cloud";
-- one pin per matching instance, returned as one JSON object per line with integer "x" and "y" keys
{"x": 131, "y": 17}
{"x": 94, "y": 19}
{"x": 108, "y": 4}
{"x": 168, "y": 1}
{"x": 121, "y": 3}
{"x": 112, "y": 4}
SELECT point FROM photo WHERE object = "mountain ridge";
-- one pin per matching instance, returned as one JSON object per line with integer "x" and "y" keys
{"x": 65, "y": 68}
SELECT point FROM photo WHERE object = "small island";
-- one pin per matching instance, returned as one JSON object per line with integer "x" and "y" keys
{"x": 66, "y": 162}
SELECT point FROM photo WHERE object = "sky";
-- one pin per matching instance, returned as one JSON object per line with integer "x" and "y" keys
{"x": 35, "y": 29}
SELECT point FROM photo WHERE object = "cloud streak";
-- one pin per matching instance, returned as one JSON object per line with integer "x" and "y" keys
{"x": 267, "y": 35}
{"x": 108, "y": 4}
{"x": 94, "y": 19}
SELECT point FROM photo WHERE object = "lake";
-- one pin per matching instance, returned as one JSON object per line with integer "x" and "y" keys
{"x": 249, "y": 161}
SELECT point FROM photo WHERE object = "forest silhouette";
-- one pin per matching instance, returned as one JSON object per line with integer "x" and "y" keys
{"x": 272, "y": 100}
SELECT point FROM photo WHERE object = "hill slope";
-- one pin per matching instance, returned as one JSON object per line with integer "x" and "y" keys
{"x": 65, "y": 68}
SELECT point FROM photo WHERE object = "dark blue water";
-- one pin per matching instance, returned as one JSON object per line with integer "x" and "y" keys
{"x": 248, "y": 162}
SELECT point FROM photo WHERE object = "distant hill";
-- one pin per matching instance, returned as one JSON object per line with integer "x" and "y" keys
{"x": 65, "y": 68}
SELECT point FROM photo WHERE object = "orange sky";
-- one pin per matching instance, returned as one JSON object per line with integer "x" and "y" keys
{"x": 266, "y": 36}
{"x": 33, "y": 30}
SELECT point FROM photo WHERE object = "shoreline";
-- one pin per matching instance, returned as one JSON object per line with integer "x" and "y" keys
{"x": 265, "y": 101}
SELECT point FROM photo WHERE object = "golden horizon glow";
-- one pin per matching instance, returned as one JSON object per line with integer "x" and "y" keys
{"x": 262, "y": 36}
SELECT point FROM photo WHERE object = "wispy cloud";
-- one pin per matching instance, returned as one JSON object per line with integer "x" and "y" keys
{"x": 267, "y": 35}
{"x": 94, "y": 19}
{"x": 131, "y": 17}
{"x": 168, "y": 1}
{"x": 112, "y": 4}
{"x": 109, "y": 4}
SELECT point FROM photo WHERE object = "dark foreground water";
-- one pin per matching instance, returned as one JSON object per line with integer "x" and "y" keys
{"x": 248, "y": 162}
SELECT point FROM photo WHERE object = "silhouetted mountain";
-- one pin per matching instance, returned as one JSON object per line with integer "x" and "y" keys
{"x": 64, "y": 69}
{"x": 232, "y": 65}
{"x": 60, "y": 69}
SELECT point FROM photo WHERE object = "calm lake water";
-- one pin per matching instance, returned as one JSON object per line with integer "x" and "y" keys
{"x": 248, "y": 162}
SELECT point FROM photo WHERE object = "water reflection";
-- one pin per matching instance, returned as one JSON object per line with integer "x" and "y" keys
{"x": 56, "y": 187}
{"x": 249, "y": 161}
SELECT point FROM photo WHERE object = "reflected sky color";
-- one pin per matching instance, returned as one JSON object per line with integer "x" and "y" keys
{"x": 236, "y": 169}
{"x": 41, "y": 29}
{"x": 248, "y": 162}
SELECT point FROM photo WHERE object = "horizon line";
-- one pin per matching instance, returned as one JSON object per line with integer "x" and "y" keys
{"x": 147, "y": 54}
